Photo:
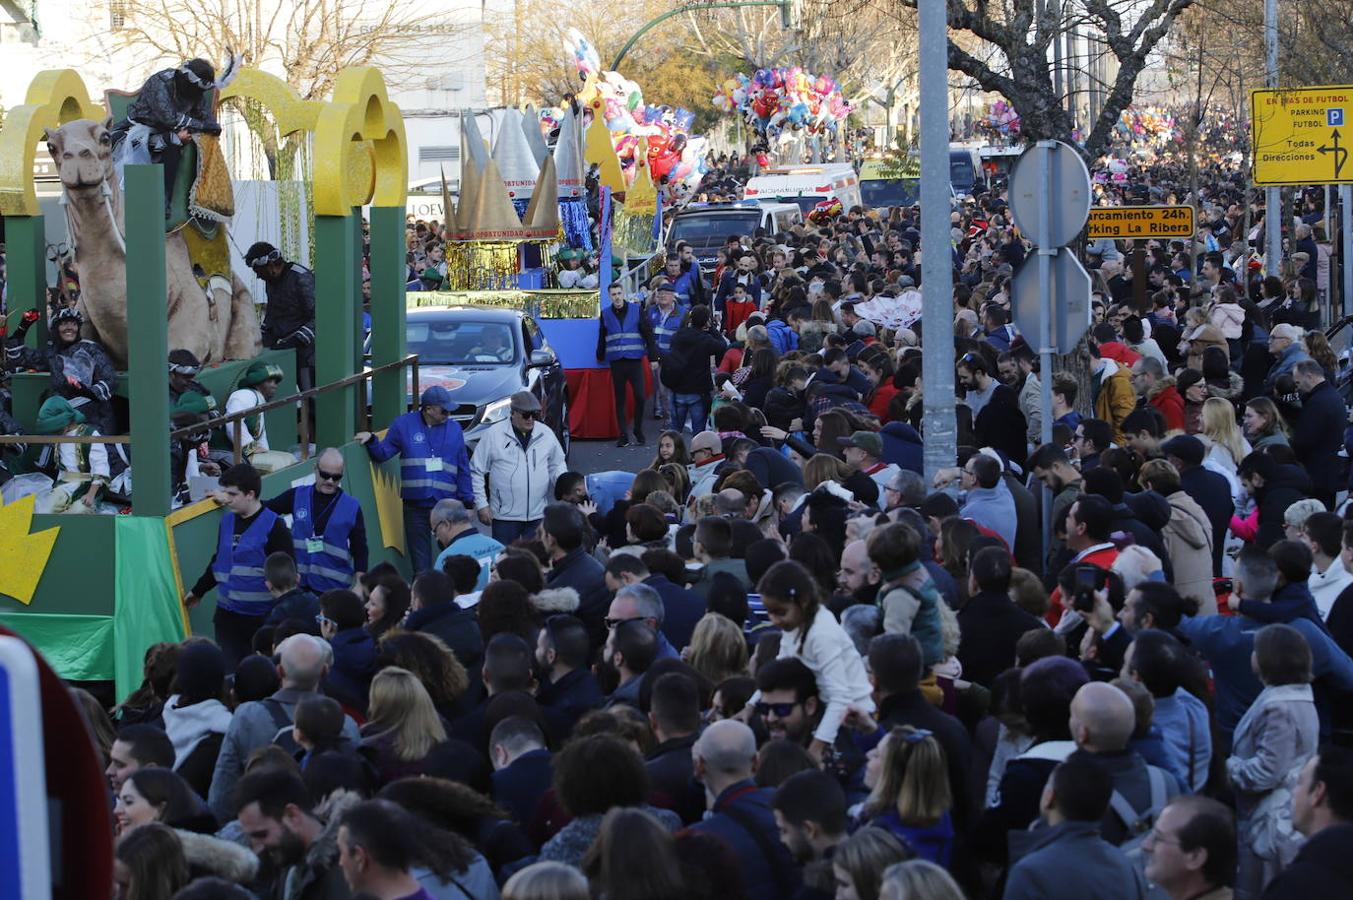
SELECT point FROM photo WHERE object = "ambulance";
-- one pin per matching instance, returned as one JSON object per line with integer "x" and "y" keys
{"x": 806, "y": 185}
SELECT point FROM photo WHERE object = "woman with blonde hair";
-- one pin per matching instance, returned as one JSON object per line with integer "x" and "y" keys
{"x": 718, "y": 648}
{"x": 1226, "y": 445}
{"x": 1264, "y": 425}
{"x": 404, "y": 727}
{"x": 909, "y": 797}
{"x": 919, "y": 879}
{"x": 821, "y": 468}
{"x": 547, "y": 881}
{"x": 861, "y": 859}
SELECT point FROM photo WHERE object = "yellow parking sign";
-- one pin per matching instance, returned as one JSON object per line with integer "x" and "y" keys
{"x": 1300, "y": 135}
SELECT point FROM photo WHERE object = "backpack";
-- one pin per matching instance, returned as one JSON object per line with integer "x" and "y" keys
{"x": 1139, "y": 824}
{"x": 283, "y": 738}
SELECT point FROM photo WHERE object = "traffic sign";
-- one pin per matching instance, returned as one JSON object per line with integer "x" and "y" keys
{"x": 1067, "y": 195}
{"x": 1070, "y": 290}
{"x": 1300, "y": 135}
{"x": 1140, "y": 222}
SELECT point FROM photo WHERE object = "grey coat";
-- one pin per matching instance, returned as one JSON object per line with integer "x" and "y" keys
{"x": 1070, "y": 861}
{"x": 252, "y": 727}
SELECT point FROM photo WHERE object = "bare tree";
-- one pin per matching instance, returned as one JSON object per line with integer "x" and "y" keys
{"x": 862, "y": 48}
{"x": 307, "y": 42}
{"x": 1007, "y": 46}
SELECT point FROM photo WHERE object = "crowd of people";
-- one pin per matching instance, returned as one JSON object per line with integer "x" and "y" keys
{"x": 777, "y": 661}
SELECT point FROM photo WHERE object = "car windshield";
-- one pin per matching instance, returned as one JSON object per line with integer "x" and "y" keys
{"x": 876, "y": 192}
{"x": 712, "y": 228}
{"x": 455, "y": 342}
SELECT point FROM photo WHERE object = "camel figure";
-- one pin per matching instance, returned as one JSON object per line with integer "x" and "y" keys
{"x": 216, "y": 324}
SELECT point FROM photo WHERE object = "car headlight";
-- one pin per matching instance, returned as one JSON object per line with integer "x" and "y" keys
{"x": 496, "y": 411}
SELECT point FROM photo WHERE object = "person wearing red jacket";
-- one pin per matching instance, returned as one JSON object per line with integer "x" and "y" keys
{"x": 877, "y": 366}
{"x": 1158, "y": 389}
{"x": 1088, "y": 525}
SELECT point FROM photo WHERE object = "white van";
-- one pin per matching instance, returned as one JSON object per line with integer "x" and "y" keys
{"x": 807, "y": 185}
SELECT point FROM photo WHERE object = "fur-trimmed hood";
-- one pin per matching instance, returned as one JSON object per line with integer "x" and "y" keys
{"x": 1162, "y": 383}
{"x": 322, "y": 857}
{"x": 556, "y": 600}
{"x": 1235, "y": 386}
{"x": 214, "y": 856}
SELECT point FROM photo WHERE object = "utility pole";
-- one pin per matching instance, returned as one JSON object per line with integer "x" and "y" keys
{"x": 1273, "y": 225}
{"x": 937, "y": 271}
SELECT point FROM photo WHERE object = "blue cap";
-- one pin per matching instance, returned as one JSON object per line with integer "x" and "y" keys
{"x": 667, "y": 286}
{"x": 436, "y": 396}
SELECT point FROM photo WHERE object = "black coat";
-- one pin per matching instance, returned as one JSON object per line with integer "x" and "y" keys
{"x": 1213, "y": 493}
{"x": 456, "y": 627}
{"x": 566, "y": 700}
{"x": 519, "y": 787}
{"x": 990, "y": 624}
{"x": 1319, "y": 435}
{"x": 783, "y": 406}
{"x": 580, "y": 571}
{"x": 1001, "y": 426}
{"x": 1124, "y": 519}
{"x": 1289, "y": 484}
{"x": 689, "y": 356}
{"x": 671, "y": 774}
{"x": 289, "y": 320}
{"x": 1323, "y": 868}
{"x": 682, "y": 608}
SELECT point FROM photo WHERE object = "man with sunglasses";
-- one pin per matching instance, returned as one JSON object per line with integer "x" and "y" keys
{"x": 289, "y": 318}
{"x": 433, "y": 465}
{"x": 514, "y": 468}
{"x": 326, "y": 527}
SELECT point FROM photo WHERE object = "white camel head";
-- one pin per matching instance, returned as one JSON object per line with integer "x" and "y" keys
{"x": 83, "y": 153}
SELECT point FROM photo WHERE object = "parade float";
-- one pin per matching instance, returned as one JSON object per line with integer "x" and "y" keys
{"x": 92, "y": 592}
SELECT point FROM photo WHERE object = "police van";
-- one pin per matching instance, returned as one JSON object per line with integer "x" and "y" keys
{"x": 806, "y": 185}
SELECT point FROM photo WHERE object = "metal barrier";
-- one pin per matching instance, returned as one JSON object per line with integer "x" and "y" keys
{"x": 236, "y": 420}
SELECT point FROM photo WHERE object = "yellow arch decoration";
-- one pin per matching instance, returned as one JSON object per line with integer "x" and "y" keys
{"x": 55, "y": 97}
{"x": 360, "y": 154}
{"x": 289, "y": 111}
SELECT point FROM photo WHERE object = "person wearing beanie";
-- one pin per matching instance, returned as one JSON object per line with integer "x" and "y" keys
{"x": 433, "y": 465}
{"x": 82, "y": 469}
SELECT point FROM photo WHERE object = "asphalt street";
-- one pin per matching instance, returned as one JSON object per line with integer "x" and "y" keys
{"x": 604, "y": 456}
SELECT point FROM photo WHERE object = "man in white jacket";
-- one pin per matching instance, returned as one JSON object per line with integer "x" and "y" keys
{"x": 513, "y": 470}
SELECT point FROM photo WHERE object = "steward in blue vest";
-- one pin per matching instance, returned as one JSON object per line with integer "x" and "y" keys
{"x": 248, "y": 533}
{"x": 327, "y": 529}
{"x": 623, "y": 339}
{"x": 664, "y": 323}
{"x": 434, "y": 464}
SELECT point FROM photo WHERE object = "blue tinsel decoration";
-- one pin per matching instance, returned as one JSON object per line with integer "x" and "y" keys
{"x": 577, "y": 227}
{"x": 520, "y": 206}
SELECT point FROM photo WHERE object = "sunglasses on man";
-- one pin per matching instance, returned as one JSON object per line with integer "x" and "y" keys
{"x": 781, "y": 710}
{"x": 527, "y": 413}
{"x": 328, "y": 476}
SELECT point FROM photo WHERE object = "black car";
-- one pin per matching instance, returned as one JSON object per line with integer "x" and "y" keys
{"x": 483, "y": 355}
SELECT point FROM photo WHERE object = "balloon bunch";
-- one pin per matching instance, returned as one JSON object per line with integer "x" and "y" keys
{"x": 773, "y": 99}
{"x": 673, "y": 151}
{"x": 1001, "y": 121}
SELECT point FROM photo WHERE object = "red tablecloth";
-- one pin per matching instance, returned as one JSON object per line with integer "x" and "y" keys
{"x": 591, "y": 411}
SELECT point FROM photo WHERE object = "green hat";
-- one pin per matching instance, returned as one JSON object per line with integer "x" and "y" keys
{"x": 566, "y": 254}
{"x": 259, "y": 372}
{"x": 194, "y": 403}
{"x": 56, "y": 415}
{"x": 431, "y": 274}
{"x": 868, "y": 441}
